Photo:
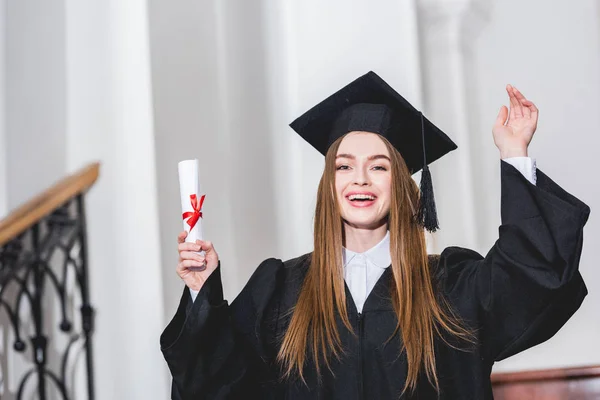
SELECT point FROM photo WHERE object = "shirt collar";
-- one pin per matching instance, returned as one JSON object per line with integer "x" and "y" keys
{"x": 379, "y": 255}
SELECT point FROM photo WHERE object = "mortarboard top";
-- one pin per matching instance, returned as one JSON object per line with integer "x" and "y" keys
{"x": 369, "y": 104}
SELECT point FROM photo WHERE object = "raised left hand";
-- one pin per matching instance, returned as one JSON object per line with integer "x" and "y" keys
{"x": 514, "y": 130}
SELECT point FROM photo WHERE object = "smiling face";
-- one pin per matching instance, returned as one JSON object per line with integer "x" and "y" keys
{"x": 363, "y": 180}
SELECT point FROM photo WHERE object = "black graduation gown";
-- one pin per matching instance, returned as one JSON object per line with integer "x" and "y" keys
{"x": 517, "y": 296}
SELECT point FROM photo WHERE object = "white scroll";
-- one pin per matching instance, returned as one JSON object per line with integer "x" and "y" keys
{"x": 192, "y": 199}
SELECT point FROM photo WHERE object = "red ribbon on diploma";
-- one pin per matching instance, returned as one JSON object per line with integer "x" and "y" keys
{"x": 197, "y": 214}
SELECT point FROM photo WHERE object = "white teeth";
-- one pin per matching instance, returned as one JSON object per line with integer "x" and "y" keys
{"x": 361, "y": 197}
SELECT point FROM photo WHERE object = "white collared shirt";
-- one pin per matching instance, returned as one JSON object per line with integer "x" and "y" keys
{"x": 363, "y": 270}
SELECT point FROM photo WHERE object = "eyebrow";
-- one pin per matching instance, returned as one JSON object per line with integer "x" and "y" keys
{"x": 374, "y": 157}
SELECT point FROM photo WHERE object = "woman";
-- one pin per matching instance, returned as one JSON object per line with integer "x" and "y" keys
{"x": 368, "y": 314}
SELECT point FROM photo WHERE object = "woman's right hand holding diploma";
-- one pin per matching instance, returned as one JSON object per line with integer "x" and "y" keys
{"x": 191, "y": 267}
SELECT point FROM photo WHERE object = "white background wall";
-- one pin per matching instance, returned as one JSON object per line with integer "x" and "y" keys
{"x": 35, "y": 96}
{"x": 141, "y": 86}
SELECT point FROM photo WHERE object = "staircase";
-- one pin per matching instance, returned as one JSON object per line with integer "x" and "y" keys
{"x": 45, "y": 313}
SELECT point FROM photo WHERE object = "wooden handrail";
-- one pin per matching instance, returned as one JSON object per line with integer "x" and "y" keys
{"x": 46, "y": 202}
{"x": 500, "y": 378}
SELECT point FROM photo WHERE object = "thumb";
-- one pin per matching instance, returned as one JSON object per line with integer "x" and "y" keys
{"x": 502, "y": 116}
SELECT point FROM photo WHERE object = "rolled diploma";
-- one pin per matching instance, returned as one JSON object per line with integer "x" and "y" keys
{"x": 189, "y": 185}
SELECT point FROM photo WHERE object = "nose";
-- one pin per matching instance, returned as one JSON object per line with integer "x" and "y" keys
{"x": 361, "y": 177}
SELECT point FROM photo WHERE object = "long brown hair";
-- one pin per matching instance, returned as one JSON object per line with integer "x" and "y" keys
{"x": 420, "y": 313}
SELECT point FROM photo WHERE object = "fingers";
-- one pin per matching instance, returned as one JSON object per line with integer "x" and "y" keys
{"x": 532, "y": 108}
{"x": 189, "y": 255}
{"x": 522, "y": 100}
{"x": 198, "y": 246}
{"x": 191, "y": 264}
{"x": 189, "y": 259}
{"x": 529, "y": 109}
{"x": 205, "y": 245}
{"x": 187, "y": 246}
{"x": 515, "y": 107}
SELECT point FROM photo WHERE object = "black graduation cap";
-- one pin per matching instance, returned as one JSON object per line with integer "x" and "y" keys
{"x": 369, "y": 104}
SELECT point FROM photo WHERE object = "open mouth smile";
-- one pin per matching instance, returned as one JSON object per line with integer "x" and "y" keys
{"x": 361, "y": 199}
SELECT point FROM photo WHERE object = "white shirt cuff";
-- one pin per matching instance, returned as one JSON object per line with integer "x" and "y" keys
{"x": 525, "y": 165}
{"x": 193, "y": 293}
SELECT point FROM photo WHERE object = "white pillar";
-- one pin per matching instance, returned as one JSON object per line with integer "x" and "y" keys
{"x": 109, "y": 112}
{"x": 447, "y": 29}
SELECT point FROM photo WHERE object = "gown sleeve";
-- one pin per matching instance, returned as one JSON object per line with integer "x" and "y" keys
{"x": 213, "y": 349}
{"x": 528, "y": 285}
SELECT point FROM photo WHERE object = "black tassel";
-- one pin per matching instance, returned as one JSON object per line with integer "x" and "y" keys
{"x": 427, "y": 213}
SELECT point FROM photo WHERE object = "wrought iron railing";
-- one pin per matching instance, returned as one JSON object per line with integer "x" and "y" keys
{"x": 43, "y": 263}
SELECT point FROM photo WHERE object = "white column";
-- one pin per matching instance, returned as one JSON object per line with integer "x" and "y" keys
{"x": 109, "y": 112}
{"x": 447, "y": 29}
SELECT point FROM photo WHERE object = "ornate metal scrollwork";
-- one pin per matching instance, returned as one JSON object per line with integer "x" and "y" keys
{"x": 44, "y": 266}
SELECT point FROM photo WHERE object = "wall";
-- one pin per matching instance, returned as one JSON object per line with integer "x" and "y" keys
{"x": 35, "y": 97}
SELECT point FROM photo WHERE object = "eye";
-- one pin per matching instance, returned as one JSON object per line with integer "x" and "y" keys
{"x": 343, "y": 166}
{"x": 379, "y": 168}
